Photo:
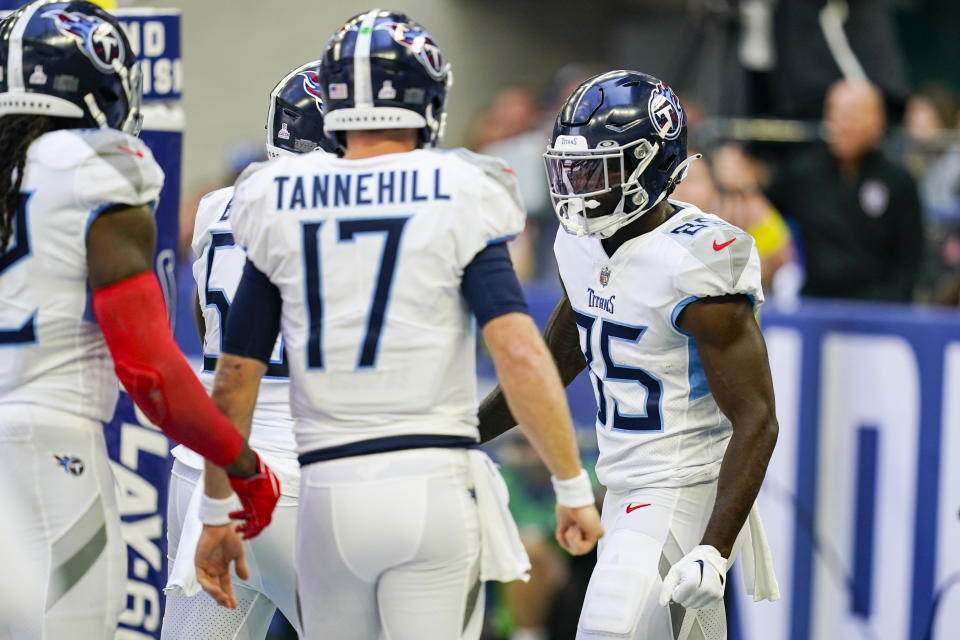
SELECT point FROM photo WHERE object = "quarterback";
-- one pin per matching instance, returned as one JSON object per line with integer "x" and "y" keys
{"x": 660, "y": 303}
{"x": 377, "y": 267}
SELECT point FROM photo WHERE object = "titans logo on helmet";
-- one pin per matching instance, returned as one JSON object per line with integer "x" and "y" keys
{"x": 98, "y": 40}
{"x": 418, "y": 41}
{"x": 666, "y": 114}
{"x": 311, "y": 86}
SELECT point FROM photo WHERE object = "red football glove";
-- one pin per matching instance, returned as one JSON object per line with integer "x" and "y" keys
{"x": 258, "y": 495}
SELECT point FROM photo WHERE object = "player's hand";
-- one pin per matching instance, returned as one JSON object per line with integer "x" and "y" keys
{"x": 578, "y": 529}
{"x": 217, "y": 548}
{"x": 258, "y": 495}
{"x": 697, "y": 581}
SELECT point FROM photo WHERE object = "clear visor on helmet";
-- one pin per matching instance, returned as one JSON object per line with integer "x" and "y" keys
{"x": 588, "y": 187}
{"x": 582, "y": 176}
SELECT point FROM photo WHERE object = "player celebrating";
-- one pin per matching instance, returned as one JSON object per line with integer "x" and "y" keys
{"x": 371, "y": 265}
{"x": 659, "y": 304}
{"x": 294, "y": 125}
{"x": 77, "y": 287}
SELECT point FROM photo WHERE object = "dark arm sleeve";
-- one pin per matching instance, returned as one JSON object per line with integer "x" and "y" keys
{"x": 254, "y": 321}
{"x": 490, "y": 285}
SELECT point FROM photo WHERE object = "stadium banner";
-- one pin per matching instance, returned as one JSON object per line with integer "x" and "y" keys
{"x": 139, "y": 452}
{"x": 861, "y": 497}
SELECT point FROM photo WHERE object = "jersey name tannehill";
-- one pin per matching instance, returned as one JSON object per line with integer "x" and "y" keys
{"x": 351, "y": 190}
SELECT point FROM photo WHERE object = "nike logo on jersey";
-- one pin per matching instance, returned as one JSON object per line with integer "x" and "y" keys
{"x": 633, "y": 507}
{"x": 132, "y": 152}
{"x": 717, "y": 247}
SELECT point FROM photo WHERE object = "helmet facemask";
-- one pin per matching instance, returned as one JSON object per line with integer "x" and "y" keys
{"x": 587, "y": 188}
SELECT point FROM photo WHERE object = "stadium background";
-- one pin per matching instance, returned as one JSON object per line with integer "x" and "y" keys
{"x": 862, "y": 496}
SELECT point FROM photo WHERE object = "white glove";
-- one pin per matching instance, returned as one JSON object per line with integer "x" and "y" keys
{"x": 697, "y": 580}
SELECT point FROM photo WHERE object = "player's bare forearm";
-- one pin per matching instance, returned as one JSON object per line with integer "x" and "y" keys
{"x": 563, "y": 342}
{"x": 741, "y": 474}
{"x": 533, "y": 391}
{"x": 235, "y": 388}
{"x": 734, "y": 358}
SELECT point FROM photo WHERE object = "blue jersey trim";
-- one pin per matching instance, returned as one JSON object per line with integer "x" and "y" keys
{"x": 676, "y": 312}
{"x": 383, "y": 445}
{"x": 506, "y": 238}
{"x": 696, "y": 376}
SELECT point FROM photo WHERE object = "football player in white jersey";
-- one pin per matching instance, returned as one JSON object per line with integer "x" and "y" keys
{"x": 80, "y": 307}
{"x": 371, "y": 265}
{"x": 660, "y": 303}
{"x": 294, "y": 125}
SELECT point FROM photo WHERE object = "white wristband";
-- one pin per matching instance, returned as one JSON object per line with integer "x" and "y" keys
{"x": 216, "y": 511}
{"x": 574, "y": 492}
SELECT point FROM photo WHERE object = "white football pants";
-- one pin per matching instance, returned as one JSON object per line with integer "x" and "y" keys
{"x": 388, "y": 547}
{"x": 68, "y": 529}
{"x": 271, "y": 585}
{"x": 646, "y": 531}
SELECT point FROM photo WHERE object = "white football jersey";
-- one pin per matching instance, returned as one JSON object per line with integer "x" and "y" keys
{"x": 368, "y": 256}
{"x": 53, "y": 352}
{"x": 217, "y": 270}
{"x": 657, "y": 422}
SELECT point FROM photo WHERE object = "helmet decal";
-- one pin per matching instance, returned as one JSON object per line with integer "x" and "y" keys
{"x": 311, "y": 86}
{"x": 419, "y": 42}
{"x": 97, "y": 39}
{"x": 666, "y": 114}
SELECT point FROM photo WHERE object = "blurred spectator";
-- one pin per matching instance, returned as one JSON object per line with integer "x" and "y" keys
{"x": 931, "y": 125}
{"x": 858, "y": 213}
{"x": 516, "y": 128}
{"x": 509, "y": 130}
{"x": 741, "y": 202}
{"x": 733, "y": 192}
{"x": 513, "y": 111}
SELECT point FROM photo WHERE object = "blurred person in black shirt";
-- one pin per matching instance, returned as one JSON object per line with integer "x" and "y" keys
{"x": 858, "y": 213}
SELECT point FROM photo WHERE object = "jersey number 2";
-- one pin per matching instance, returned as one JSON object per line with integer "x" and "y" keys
{"x": 392, "y": 229}
{"x": 651, "y": 420}
{"x": 18, "y": 249}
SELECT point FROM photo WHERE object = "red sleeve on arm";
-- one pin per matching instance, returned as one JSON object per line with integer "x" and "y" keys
{"x": 133, "y": 318}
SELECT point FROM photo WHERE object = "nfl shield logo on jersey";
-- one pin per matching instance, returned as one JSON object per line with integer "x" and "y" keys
{"x": 604, "y": 275}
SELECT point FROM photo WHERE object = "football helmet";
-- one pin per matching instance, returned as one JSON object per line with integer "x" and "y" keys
{"x": 69, "y": 60}
{"x": 295, "y": 117}
{"x": 619, "y": 147}
{"x": 382, "y": 70}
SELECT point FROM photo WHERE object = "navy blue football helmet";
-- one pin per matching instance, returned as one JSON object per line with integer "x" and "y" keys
{"x": 69, "y": 60}
{"x": 619, "y": 147}
{"x": 295, "y": 118}
{"x": 382, "y": 70}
